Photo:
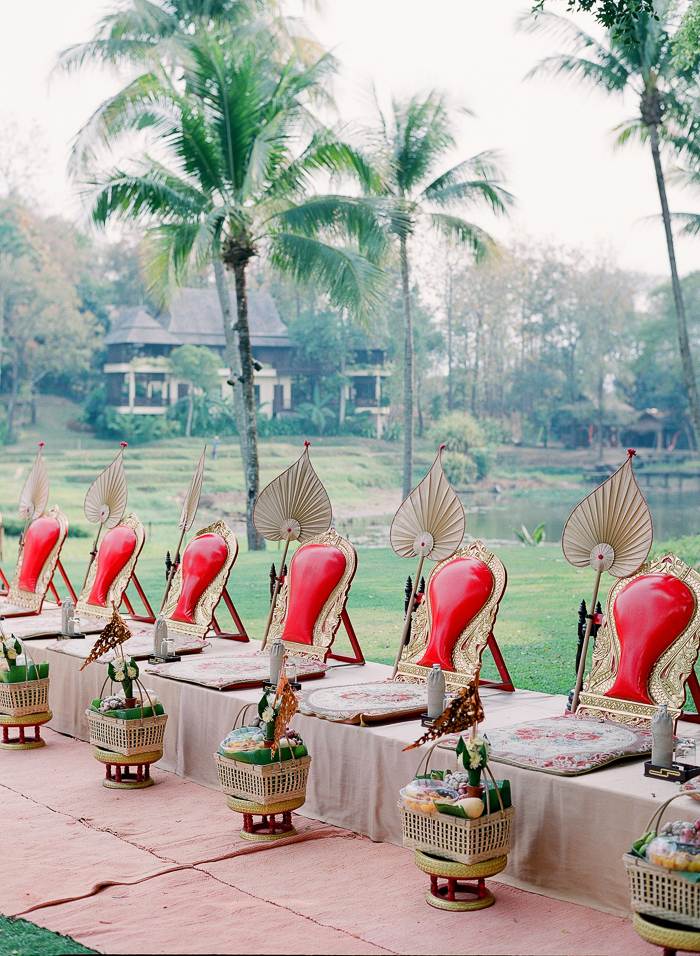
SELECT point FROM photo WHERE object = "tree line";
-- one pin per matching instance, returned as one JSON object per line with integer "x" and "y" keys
{"x": 236, "y": 162}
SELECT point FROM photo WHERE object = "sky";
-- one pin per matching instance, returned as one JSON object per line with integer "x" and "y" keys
{"x": 555, "y": 139}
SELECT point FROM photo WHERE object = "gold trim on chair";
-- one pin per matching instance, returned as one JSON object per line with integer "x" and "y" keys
{"x": 33, "y": 600}
{"x": 328, "y": 620}
{"x": 212, "y": 594}
{"x": 120, "y": 582}
{"x": 670, "y": 672}
{"x": 468, "y": 648}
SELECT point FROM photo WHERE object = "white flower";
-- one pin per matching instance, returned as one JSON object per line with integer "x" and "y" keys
{"x": 131, "y": 671}
{"x": 268, "y": 715}
{"x": 119, "y": 672}
{"x": 11, "y": 653}
{"x": 4, "y": 666}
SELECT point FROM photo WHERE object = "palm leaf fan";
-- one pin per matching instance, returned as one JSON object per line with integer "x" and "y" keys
{"x": 610, "y": 530}
{"x": 429, "y": 524}
{"x": 187, "y": 516}
{"x": 293, "y": 507}
{"x": 35, "y": 493}
{"x": 105, "y": 501}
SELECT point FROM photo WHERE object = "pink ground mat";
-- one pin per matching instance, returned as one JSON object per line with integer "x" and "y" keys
{"x": 164, "y": 870}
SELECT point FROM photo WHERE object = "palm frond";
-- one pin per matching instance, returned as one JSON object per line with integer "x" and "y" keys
{"x": 154, "y": 193}
{"x": 690, "y": 221}
{"x": 464, "y": 233}
{"x": 349, "y": 279}
{"x": 339, "y": 217}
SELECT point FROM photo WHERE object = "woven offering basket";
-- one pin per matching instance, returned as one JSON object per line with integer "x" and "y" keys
{"x": 127, "y": 737}
{"x": 455, "y": 838}
{"x": 24, "y": 697}
{"x": 660, "y": 892}
{"x": 265, "y": 784}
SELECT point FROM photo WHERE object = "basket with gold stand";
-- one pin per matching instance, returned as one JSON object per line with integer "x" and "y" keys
{"x": 126, "y": 732}
{"x": 665, "y": 901}
{"x": 258, "y": 784}
{"x": 459, "y": 829}
{"x": 24, "y": 696}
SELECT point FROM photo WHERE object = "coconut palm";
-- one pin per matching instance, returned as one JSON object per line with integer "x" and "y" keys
{"x": 642, "y": 60}
{"x": 237, "y": 149}
{"x": 411, "y": 144}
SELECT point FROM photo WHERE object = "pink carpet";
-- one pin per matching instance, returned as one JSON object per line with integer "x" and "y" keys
{"x": 164, "y": 871}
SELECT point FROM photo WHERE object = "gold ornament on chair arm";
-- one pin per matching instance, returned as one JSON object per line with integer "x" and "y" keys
{"x": 611, "y": 530}
{"x": 115, "y": 633}
{"x": 35, "y": 493}
{"x": 462, "y": 714}
{"x": 429, "y": 524}
{"x": 293, "y": 507}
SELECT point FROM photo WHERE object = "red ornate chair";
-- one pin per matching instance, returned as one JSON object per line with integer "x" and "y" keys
{"x": 312, "y": 600}
{"x": 200, "y": 583}
{"x": 454, "y": 621}
{"x": 310, "y": 608}
{"x": 38, "y": 561}
{"x": 452, "y": 627}
{"x": 112, "y": 571}
{"x": 646, "y": 649}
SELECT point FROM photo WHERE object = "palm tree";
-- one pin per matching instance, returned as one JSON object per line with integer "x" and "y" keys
{"x": 641, "y": 59}
{"x": 412, "y": 143}
{"x": 238, "y": 147}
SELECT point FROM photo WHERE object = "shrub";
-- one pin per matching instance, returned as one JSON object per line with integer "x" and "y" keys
{"x": 460, "y": 469}
{"x": 135, "y": 429}
{"x": 459, "y": 431}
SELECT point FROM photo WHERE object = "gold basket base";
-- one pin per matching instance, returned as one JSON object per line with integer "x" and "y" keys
{"x": 128, "y": 784}
{"x": 123, "y": 779}
{"x": 267, "y": 837}
{"x": 269, "y": 828}
{"x": 20, "y": 724}
{"x": 450, "y": 895}
{"x": 27, "y": 745}
{"x": 26, "y": 720}
{"x": 671, "y": 937}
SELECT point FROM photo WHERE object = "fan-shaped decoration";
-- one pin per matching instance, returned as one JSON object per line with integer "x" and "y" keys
{"x": 430, "y": 522}
{"x": 189, "y": 508}
{"x": 611, "y": 529}
{"x": 295, "y": 506}
{"x": 35, "y": 493}
{"x": 105, "y": 501}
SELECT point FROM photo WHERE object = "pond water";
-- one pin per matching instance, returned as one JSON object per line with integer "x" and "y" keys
{"x": 493, "y": 517}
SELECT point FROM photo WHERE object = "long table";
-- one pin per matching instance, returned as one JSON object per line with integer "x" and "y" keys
{"x": 569, "y": 834}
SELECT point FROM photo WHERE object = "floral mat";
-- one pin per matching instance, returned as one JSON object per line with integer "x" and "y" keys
{"x": 356, "y": 703}
{"x": 29, "y": 626}
{"x": 140, "y": 646}
{"x": 225, "y": 673}
{"x": 566, "y": 745}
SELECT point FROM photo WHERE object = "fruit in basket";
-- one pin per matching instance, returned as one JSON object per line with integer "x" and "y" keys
{"x": 677, "y": 847}
{"x": 472, "y": 806}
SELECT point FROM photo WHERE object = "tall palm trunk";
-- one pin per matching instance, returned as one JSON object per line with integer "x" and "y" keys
{"x": 407, "y": 373}
{"x": 683, "y": 343}
{"x": 252, "y": 469}
{"x": 233, "y": 357}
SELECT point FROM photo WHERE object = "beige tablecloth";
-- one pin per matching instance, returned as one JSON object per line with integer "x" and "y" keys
{"x": 570, "y": 832}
